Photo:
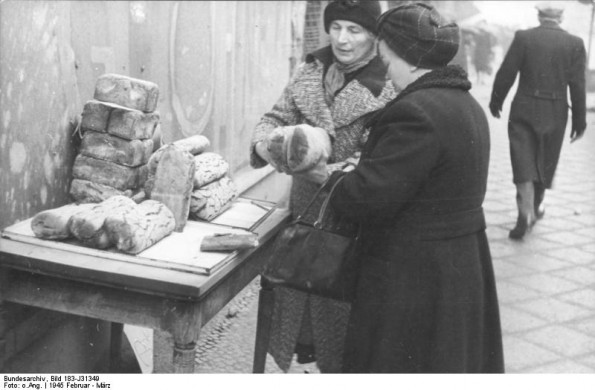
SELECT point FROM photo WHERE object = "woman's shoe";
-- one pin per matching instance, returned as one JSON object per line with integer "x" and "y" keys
{"x": 523, "y": 226}
{"x": 305, "y": 353}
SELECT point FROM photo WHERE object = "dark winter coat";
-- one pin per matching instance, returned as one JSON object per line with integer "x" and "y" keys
{"x": 297, "y": 316}
{"x": 426, "y": 299}
{"x": 550, "y": 62}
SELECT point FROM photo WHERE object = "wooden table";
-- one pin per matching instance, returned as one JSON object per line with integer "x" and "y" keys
{"x": 124, "y": 289}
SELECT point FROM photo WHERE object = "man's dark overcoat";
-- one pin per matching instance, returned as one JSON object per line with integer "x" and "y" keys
{"x": 426, "y": 300}
{"x": 550, "y": 62}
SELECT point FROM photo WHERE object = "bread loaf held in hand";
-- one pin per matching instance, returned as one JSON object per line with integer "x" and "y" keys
{"x": 296, "y": 149}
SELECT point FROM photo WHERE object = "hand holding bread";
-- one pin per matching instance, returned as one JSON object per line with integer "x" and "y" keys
{"x": 296, "y": 149}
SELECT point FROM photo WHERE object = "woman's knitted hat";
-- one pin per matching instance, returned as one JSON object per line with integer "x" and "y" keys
{"x": 419, "y": 34}
{"x": 362, "y": 12}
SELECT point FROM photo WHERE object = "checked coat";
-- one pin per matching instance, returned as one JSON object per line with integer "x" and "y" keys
{"x": 300, "y": 317}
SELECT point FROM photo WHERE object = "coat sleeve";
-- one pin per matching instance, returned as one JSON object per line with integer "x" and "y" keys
{"x": 507, "y": 73}
{"x": 389, "y": 176}
{"x": 283, "y": 113}
{"x": 576, "y": 84}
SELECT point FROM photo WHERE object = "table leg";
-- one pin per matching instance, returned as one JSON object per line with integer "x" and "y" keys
{"x": 183, "y": 322}
{"x": 263, "y": 325}
{"x": 184, "y": 355}
{"x": 115, "y": 347}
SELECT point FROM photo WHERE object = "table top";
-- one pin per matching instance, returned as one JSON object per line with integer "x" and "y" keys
{"x": 173, "y": 267}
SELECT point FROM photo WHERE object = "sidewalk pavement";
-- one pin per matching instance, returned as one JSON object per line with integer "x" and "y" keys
{"x": 546, "y": 283}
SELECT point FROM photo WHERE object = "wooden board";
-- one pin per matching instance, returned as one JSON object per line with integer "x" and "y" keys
{"x": 178, "y": 251}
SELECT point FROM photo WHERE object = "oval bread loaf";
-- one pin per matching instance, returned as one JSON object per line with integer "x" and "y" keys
{"x": 208, "y": 168}
{"x": 307, "y": 146}
{"x": 54, "y": 224}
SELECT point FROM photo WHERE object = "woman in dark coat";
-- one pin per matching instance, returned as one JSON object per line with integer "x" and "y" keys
{"x": 426, "y": 299}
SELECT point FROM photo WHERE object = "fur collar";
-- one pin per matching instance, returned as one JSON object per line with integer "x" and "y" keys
{"x": 370, "y": 76}
{"x": 451, "y": 76}
{"x": 353, "y": 101}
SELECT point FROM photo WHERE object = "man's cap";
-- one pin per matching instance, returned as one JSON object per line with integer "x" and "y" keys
{"x": 549, "y": 10}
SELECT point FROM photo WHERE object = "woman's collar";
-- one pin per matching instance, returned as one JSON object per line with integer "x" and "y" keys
{"x": 372, "y": 76}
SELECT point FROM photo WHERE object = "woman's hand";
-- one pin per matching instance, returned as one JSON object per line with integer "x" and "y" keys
{"x": 317, "y": 174}
{"x": 262, "y": 149}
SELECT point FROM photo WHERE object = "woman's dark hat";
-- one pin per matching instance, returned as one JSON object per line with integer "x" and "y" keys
{"x": 362, "y": 12}
{"x": 419, "y": 34}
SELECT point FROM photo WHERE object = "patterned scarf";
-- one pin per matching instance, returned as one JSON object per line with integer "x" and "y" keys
{"x": 335, "y": 75}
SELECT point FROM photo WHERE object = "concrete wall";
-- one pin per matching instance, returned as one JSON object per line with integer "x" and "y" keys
{"x": 219, "y": 65}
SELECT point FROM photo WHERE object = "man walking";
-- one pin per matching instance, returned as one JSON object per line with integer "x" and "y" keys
{"x": 550, "y": 62}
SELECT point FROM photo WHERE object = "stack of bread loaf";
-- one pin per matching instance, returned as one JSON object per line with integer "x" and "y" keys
{"x": 117, "y": 221}
{"x": 206, "y": 190}
{"x": 213, "y": 190}
{"x": 120, "y": 128}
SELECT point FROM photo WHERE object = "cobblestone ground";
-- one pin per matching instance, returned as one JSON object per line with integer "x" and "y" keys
{"x": 226, "y": 343}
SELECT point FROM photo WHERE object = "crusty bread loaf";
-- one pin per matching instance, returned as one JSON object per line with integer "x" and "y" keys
{"x": 87, "y": 225}
{"x": 194, "y": 145}
{"x": 229, "y": 241}
{"x": 120, "y": 121}
{"x": 296, "y": 149}
{"x": 96, "y": 115}
{"x": 209, "y": 201}
{"x": 54, "y": 224}
{"x": 172, "y": 183}
{"x": 307, "y": 146}
{"x": 108, "y": 173}
{"x": 136, "y": 229}
{"x": 277, "y": 146}
{"x": 85, "y": 191}
{"x": 209, "y": 167}
{"x": 132, "y": 124}
{"x": 127, "y": 91}
{"x": 103, "y": 146}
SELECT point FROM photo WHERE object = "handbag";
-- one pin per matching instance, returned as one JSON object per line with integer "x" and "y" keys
{"x": 318, "y": 258}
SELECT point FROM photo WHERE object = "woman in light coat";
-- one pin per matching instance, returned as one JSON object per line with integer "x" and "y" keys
{"x": 335, "y": 89}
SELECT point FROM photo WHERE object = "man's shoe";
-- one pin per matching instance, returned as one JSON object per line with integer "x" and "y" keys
{"x": 539, "y": 212}
{"x": 538, "y": 201}
{"x": 522, "y": 227}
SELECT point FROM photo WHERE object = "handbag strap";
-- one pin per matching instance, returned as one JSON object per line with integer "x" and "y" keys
{"x": 318, "y": 222}
{"x": 322, "y": 187}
